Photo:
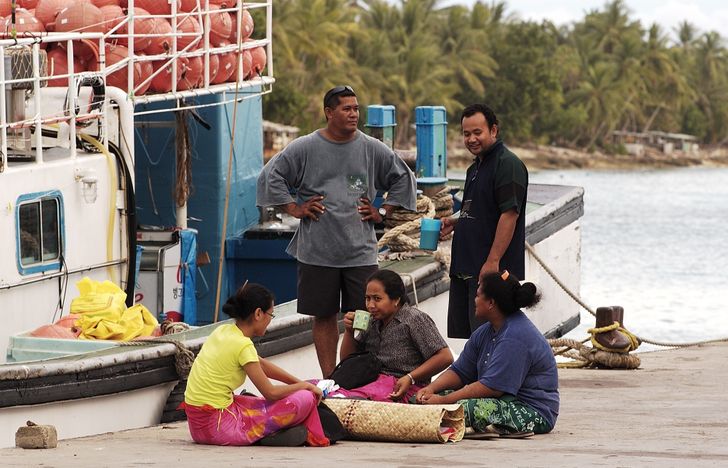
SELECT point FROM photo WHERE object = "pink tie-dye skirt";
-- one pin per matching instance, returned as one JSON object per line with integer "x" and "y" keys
{"x": 250, "y": 418}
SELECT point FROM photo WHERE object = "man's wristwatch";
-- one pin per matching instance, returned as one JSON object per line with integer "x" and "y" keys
{"x": 382, "y": 213}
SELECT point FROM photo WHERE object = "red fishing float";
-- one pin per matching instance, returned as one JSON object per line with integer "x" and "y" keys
{"x": 247, "y": 62}
{"x": 81, "y": 17}
{"x": 157, "y": 7}
{"x": 189, "y": 5}
{"x": 103, "y": 3}
{"x": 214, "y": 68}
{"x": 116, "y": 53}
{"x": 161, "y": 38}
{"x": 259, "y": 58}
{"x": 143, "y": 26}
{"x": 246, "y": 26}
{"x": 27, "y": 4}
{"x": 146, "y": 69}
{"x": 188, "y": 30}
{"x": 113, "y": 15}
{"x": 25, "y": 25}
{"x": 221, "y": 26}
{"x": 47, "y": 10}
{"x": 58, "y": 65}
{"x": 226, "y": 67}
{"x": 162, "y": 81}
{"x": 192, "y": 77}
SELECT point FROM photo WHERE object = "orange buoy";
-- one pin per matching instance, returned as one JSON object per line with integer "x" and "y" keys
{"x": 80, "y": 17}
{"x": 116, "y": 53}
{"x": 157, "y": 7}
{"x": 188, "y": 30}
{"x": 214, "y": 68}
{"x": 47, "y": 10}
{"x": 259, "y": 58}
{"x": 246, "y": 26}
{"x": 113, "y": 15}
{"x": 103, "y": 3}
{"x": 221, "y": 26}
{"x": 53, "y": 331}
{"x": 58, "y": 65}
{"x": 69, "y": 321}
{"x": 146, "y": 69}
{"x": 27, "y": 4}
{"x": 247, "y": 63}
{"x": 189, "y": 5}
{"x": 161, "y": 38}
{"x": 226, "y": 67}
{"x": 162, "y": 81}
{"x": 143, "y": 26}
{"x": 25, "y": 25}
{"x": 192, "y": 77}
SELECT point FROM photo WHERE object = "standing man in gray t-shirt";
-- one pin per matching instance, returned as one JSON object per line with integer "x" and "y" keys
{"x": 335, "y": 173}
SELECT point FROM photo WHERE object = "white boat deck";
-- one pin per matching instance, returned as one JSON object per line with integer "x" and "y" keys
{"x": 670, "y": 412}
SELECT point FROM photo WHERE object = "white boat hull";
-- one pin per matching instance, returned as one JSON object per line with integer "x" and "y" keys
{"x": 89, "y": 416}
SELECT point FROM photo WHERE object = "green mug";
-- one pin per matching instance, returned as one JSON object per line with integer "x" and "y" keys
{"x": 361, "y": 320}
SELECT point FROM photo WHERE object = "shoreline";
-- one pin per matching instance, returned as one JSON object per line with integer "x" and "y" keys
{"x": 539, "y": 157}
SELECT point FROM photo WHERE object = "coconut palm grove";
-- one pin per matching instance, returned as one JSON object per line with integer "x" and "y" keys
{"x": 569, "y": 85}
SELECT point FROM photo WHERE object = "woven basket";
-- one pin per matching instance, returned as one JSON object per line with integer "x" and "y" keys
{"x": 397, "y": 422}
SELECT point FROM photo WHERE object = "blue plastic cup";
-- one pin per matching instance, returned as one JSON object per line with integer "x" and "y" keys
{"x": 429, "y": 233}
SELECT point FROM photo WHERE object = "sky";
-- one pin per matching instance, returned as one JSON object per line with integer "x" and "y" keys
{"x": 707, "y": 15}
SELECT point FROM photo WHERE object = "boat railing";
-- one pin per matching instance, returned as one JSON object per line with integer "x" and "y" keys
{"x": 111, "y": 58}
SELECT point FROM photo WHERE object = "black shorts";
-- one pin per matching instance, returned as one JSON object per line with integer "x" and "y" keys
{"x": 325, "y": 291}
{"x": 461, "y": 320}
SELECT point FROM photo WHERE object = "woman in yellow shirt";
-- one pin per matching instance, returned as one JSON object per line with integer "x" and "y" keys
{"x": 216, "y": 415}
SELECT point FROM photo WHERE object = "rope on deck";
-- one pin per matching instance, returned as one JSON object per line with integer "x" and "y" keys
{"x": 579, "y": 301}
{"x": 402, "y": 235}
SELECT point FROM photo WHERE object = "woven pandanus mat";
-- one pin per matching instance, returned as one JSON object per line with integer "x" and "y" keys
{"x": 399, "y": 422}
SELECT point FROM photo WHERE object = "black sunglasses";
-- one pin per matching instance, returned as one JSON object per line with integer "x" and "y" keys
{"x": 335, "y": 91}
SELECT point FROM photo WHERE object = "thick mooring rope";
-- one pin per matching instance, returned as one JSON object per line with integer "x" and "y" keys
{"x": 578, "y": 300}
{"x": 403, "y": 232}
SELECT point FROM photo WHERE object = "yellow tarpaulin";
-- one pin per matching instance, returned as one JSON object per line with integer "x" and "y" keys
{"x": 104, "y": 316}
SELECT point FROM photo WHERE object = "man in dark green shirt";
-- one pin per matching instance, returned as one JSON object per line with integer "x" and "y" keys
{"x": 490, "y": 232}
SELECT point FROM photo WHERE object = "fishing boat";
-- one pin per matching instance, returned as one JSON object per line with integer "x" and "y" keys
{"x": 86, "y": 174}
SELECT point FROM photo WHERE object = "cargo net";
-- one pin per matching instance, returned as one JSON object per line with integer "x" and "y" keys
{"x": 173, "y": 46}
{"x": 402, "y": 228}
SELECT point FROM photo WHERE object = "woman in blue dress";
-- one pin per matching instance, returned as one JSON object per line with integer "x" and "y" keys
{"x": 506, "y": 376}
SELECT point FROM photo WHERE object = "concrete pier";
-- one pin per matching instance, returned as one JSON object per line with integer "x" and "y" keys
{"x": 673, "y": 411}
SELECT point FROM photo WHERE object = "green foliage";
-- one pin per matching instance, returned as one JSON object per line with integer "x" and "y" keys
{"x": 572, "y": 84}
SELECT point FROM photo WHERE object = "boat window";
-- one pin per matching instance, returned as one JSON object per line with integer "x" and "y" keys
{"x": 39, "y": 233}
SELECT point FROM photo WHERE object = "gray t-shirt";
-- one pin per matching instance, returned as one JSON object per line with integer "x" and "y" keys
{"x": 341, "y": 172}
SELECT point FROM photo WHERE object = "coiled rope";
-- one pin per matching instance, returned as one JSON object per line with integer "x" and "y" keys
{"x": 183, "y": 356}
{"x": 403, "y": 233}
{"x": 578, "y": 300}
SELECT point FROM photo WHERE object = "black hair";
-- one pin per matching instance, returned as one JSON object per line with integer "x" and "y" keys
{"x": 473, "y": 109}
{"x": 331, "y": 98}
{"x": 247, "y": 299}
{"x": 509, "y": 294}
{"x": 393, "y": 285}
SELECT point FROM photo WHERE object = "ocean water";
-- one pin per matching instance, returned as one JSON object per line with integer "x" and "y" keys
{"x": 654, "y": 241}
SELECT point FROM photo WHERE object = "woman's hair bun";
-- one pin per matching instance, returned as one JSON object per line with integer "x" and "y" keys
{"x": 526, "y": 295}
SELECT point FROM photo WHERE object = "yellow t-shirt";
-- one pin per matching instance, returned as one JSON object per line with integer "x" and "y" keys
{"x": 218, "y": 368}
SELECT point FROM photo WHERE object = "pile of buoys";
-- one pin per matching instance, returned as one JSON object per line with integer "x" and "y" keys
{"x": 154, "y": 38}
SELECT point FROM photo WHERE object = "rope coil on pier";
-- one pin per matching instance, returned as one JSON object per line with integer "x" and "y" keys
{"x": 591, "y": 356}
